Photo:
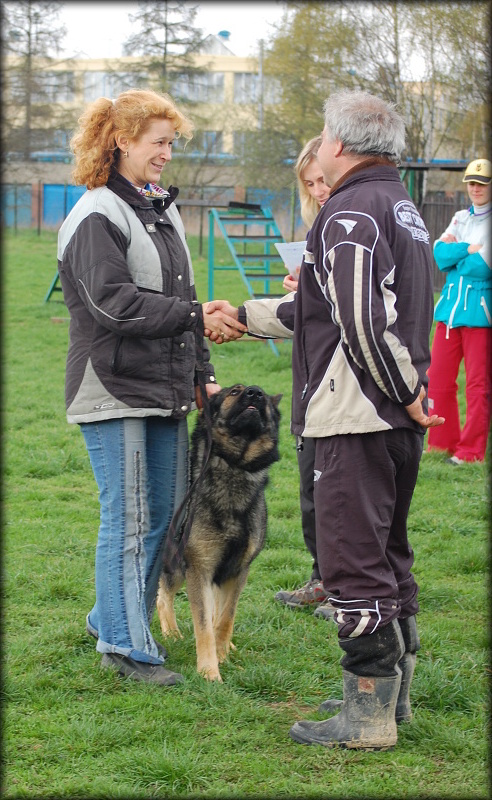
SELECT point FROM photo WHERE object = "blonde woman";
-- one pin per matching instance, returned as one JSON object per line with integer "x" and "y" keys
{"x": 135, "y": 343}
{"x": 313, "y": 191}
{"x": 313, "y": 194}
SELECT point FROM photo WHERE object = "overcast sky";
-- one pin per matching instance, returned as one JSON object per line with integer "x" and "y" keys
{"x": 98, "y": 29}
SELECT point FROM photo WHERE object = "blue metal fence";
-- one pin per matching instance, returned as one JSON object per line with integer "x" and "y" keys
{"x": 58, "y": 201}
{"x": 17, "y": 204}
{"x": 16, "y": 210}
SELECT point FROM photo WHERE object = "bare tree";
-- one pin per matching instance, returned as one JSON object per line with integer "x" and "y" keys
{"x": 31, "y": 38}
{"x": 309, "y": 54}
{"x": 430, "y": 59}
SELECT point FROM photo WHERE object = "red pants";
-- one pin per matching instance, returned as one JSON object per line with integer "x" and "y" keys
{"x": 475, "y": 346}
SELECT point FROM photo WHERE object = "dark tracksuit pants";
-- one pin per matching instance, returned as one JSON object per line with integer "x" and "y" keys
{"x": 305, "y": 459}
{"x": 363, "y": 488}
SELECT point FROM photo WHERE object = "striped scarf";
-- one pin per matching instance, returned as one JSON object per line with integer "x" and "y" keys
{"x": 151, "y": 190}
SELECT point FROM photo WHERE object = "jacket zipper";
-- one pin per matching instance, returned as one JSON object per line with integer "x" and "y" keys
{"x": 115, "y": 354}
{"x": 453, "y": 310}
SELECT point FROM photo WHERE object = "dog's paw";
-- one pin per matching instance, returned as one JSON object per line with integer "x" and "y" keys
{"x": 172, "y": 633}
{"x": 211, "y": 674}
{"x": 223, "y": 651}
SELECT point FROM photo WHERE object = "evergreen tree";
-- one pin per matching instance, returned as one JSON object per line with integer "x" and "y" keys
{"x": 167, "y": 38}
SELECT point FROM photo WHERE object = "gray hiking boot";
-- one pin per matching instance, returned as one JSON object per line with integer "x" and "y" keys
{"x": 311, "y": 594}
{"x": 140, "y": 670}
{"x": 325, "y": 610}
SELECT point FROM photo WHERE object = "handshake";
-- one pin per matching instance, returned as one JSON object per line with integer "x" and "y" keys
{"x": 221, "y": 322}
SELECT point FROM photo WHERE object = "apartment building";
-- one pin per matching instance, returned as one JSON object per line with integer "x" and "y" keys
{"x": 225, "y": 94}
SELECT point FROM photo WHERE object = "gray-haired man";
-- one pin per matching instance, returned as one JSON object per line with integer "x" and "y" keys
{"x": 361, "y": 320}
{"x": 363, "y": 316}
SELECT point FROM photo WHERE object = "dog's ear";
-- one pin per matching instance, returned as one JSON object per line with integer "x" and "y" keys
{"x": 276, "y": 399}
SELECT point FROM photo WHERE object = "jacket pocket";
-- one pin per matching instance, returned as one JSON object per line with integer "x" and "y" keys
{"x": 116, "y": 353}
{"x": 483, "y": 303}
{"x": 137, "y": 357}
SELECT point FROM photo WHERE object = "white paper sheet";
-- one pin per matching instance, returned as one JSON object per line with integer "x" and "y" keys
{"x": 291, "y": 254}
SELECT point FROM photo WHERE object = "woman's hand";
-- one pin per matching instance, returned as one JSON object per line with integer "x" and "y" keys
{"x": 221, "y": 321}
{"x": 210, "y": 388}
{"x": 290, "y": 283}
{"x": 448, "y": 238}
{"x": 474, "y": 248}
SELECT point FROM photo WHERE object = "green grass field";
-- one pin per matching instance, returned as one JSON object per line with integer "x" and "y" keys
{"x": 72, "y": 730}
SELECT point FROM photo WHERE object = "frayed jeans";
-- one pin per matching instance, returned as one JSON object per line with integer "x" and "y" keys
{"x": 141, "y": 469}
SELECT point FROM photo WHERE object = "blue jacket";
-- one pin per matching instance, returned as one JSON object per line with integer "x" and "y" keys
{"x": 466, "y": 297}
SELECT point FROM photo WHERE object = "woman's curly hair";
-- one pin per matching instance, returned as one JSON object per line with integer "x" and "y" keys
{"x": 94, "y": 143}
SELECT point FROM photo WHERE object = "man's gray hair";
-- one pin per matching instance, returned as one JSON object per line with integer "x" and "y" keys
{"x": 365, "y": 124}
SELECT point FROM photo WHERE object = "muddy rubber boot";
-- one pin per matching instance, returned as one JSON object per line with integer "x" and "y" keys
{"x": 366, "y": 721}
{"x": 371, "y": 684}
{"x": 403, "y": 711}
{"x": 406, "y": 663}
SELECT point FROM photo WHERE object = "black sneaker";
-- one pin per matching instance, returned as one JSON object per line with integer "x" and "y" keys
{"x": 140, "y": 670}
{"x": 311, "y": 594}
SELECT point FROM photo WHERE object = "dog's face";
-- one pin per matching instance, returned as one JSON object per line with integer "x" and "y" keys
{"x": 245, "y": 423}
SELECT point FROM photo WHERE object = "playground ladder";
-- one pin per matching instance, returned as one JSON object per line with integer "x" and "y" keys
{"x": 54, "y": 287}
{"x": 252, "y": 249}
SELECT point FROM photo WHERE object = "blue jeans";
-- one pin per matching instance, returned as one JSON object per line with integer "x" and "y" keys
{"x": 141, "y": 469}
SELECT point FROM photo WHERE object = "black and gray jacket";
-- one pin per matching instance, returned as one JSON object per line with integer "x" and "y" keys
{"x": 362, "y": 315}
{"x": 128, "y": 284}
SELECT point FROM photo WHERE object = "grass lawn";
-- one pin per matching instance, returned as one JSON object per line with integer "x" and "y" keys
{"x": 72, "y": 730}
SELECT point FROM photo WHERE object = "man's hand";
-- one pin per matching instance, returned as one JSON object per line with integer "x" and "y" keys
{"x": 416, "y": 412}
{"x": 221, "y": 321}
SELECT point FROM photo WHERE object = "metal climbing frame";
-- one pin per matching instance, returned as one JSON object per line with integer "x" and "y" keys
{"x": 54, "y": 287}
{"x": 252, "y": 249}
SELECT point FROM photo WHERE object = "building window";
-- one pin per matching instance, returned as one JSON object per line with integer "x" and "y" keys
{"x": 203, "y": 144}
{"x": 55, "y": 87}
{"x": 212, "y": 143}
{"x": 18, "y": 89}
{"x": 272, "y": 91}
{"x": 246, "y": 87}
{"x": 110, "y": 84}
{"x": 199, "y": 87}
{"x": 242, "y": 141}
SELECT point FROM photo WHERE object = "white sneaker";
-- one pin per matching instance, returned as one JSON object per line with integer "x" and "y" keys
{"x": 456, "y": 461}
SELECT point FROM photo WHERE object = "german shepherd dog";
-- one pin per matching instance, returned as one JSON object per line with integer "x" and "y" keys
{"x": 230, "y": 518}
